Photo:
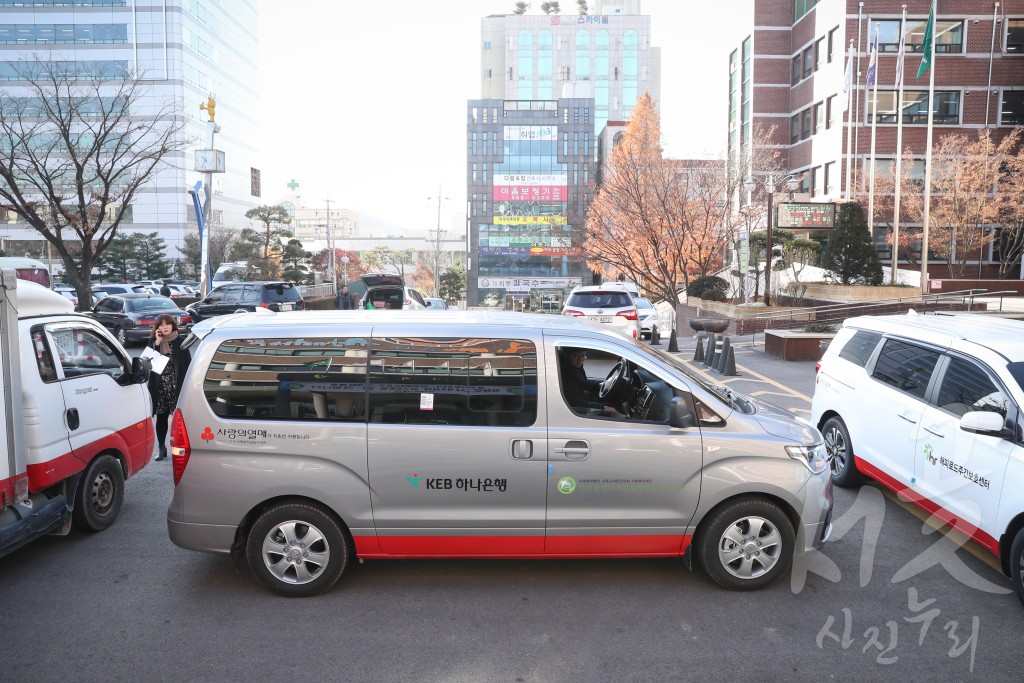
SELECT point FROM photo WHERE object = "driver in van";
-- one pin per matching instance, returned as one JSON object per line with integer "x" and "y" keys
{"x": 581, "y": 392}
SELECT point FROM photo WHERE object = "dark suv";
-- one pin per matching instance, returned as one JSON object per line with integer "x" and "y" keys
{"x": 248, "y": 296}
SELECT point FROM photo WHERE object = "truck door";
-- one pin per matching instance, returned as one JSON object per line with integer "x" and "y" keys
{"x": 102, "y": 409}
{"x": 47, "y": 448}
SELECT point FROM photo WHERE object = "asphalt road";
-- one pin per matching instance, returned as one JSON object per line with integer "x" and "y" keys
{"x": 889, "y": 598}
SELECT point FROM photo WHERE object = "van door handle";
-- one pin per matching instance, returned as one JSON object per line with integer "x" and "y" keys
{"x": 575, "y": 450}
{"x": 903, "y": 416}
{"x": 72, "y": 418}
{"x": 522, "y": 449}
{"x": 931, "y": 431}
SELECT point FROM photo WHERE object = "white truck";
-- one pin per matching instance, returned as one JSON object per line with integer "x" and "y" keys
{"x": 76, "y": 417}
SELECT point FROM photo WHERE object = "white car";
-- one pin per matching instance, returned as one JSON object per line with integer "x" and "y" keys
{"x": 435, "y": 304}
{"x": 600, "y": 304}
{"x": 930, "y": 406}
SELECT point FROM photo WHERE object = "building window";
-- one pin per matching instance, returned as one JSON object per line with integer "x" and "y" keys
{"x": 816, "y": 186}
{"x": 797, "y": 70}
{"x": 1015, "y": 36}
{"x": 949, "y": 37}
{"x": 255, "y": 183}
{"x": 805, "y": 124}
{"x": 818, "y": 123}
{"x": 487, "y": 45}
{"x": 1013, "y": 108}
{"x": 808, "y": 61}
{"x": 794, "y": 129}
{"x": 819, "y": 53}
{"x": 832, "y": 43}
{"x": 888, "y": 34}
{"x": 915, "y": 107}
{"x": 802, "y": 7}
{"x": 830, "y": 177}
{"x": 830, "y": 111}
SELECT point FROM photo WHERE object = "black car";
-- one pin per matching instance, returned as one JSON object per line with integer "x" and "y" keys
{"x": 239, "y": 297}
{"x": 131, "y": 316}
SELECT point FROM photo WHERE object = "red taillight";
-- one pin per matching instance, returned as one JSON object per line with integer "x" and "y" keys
{"x": 147, "y": 321}
{"x": 628, "y": 315}
{"x": 180, "y": 448}
{"x": 264, "y": 304}
{"x": 570, "y": 311}
{"x": 817, "y": 366}
{"x": 185, "y": 319}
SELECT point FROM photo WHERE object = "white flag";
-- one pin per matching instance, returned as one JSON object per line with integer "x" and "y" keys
{"x": 902, "y": 51}
{"x": 848, "y": 79}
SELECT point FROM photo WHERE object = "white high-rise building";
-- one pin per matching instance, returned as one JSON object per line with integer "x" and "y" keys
{"x": 186, "y": 50}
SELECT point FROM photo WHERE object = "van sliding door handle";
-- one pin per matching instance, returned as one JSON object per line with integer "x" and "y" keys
{"x": 575, "y": 450}
{"x": 904, "y": 417}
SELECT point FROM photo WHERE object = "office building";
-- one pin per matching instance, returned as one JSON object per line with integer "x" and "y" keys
{"x": 185, "y": 50}
{"x": 787, "y": 77}
{"x": 549, "y": 86}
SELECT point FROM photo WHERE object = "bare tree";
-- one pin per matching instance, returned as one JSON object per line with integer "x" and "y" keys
{"x": 73, "y": 157}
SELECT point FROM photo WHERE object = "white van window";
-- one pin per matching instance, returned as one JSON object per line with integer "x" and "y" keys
{"x": 906, "y": 367}
{"x": 288, "y": 379}
{"x": 454, "y": 381}
{"x": 966, "y": 387}
{"x": 860, "y": 346}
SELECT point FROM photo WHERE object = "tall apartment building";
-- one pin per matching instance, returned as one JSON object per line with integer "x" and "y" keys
{"x": 184, "y": 50}
{"x": 787, "y": 77}
{"x": 549, "y": 86}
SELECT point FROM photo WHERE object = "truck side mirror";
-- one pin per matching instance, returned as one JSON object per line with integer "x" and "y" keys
{"x": 140, "y": 370}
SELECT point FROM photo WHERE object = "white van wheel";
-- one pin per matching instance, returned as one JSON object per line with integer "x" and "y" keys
{"x": 746, "y": 544}
{"x": 100, "y": 494}
{"x": 297, "y": 550}
{"x": 840, "y": 453}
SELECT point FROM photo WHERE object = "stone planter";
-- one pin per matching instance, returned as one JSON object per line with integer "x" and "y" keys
{"x": 712, "y": 325}
{"x": 821, "y": 291}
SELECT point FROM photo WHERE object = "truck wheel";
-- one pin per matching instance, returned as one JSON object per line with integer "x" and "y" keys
{"x": 746, "y": 544}
{"x": 297, "y": 550}
{"x": 840, "y": 453}
{"x": 100, "y": 494}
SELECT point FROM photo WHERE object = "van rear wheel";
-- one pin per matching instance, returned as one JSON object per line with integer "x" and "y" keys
{"x": 100, "y": 494}
{"x": 746, "y": 544}
{"x": 840, "y": 453}
{"x": 297, "y": 550}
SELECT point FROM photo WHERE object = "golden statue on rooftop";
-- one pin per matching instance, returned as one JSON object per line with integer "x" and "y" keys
{"x": 209, "y": 106}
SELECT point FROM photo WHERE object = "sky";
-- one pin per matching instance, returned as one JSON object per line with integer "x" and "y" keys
{"x": 346, "y": 83}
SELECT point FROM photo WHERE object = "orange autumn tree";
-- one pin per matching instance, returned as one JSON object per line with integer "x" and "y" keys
{"x": 637, "y": 223}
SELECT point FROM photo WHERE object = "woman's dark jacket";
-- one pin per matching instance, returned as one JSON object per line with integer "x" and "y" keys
{"x": 181, "y": 359}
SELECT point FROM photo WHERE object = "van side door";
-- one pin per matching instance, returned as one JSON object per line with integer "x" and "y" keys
{"x": 47, "y": 447}
{"x": 456, "y": 444}
{"x": 618, "y": 484}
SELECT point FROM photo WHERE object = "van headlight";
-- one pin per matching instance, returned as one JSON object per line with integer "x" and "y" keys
{"x": 814, "y": 458}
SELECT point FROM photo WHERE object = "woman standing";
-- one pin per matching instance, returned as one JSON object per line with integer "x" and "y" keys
{"x": 165, "y": 387}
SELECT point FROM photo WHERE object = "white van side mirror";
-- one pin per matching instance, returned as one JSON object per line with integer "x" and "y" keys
{"x": 680, "y": 413}
{"x": 982, "y": 422}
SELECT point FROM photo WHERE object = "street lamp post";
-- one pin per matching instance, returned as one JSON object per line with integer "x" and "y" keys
{"x": 344, "y": 264}
{"x": 769, "y": 186}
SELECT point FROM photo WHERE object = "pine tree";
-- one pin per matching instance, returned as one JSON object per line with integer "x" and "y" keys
{"x": 851, "y": 257}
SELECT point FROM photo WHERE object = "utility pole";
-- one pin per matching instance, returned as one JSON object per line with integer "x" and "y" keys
{"x": 436, "y": 266}
{"x": 331, "y": 273}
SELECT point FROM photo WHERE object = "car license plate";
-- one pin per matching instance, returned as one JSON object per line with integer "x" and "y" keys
{"x": 600, "y": 318}
{"x": 286, "y": 307}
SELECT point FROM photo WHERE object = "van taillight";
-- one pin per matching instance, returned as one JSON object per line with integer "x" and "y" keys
{"x": 180, "y": 448}
{"x": 817, "y": 367}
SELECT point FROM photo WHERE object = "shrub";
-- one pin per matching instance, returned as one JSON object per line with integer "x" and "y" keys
{"x": 708, "y": 283}
{"x": 821, "y": 328}
{"x": 713, "y": 295}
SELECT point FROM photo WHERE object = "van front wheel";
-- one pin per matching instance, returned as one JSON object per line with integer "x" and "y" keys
{"x": 746, "y": 544}
{"x": 100, "y": 494}
{"x": 297, "y": 550}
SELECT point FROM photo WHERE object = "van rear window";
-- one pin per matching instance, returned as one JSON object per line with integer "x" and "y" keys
{"x": 859, "y": 348}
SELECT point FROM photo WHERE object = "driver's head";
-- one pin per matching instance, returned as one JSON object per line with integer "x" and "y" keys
{"x": 576, "y": 356}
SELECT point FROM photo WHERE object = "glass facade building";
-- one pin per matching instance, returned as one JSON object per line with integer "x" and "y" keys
{"x": 531, "y": 164}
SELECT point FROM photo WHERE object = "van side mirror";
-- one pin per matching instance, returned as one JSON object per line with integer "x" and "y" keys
{"x": 140, "y": 370}
{"x": 983, "y": 422}
{"x": 680, "y": 413}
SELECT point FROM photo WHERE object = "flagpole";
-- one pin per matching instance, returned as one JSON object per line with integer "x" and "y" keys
{"x": 899, "y": 150}
{"x": 849, "y": 124}
{"x": 856, "y": 140}
{"x": 928, "y": 156}
{"x": 873, "y": 77}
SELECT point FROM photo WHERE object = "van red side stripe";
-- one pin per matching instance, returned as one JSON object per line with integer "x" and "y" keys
{"x": 135, "y": 442}
{"x": 521, "y": 546}
{"x": 977, "y": 535}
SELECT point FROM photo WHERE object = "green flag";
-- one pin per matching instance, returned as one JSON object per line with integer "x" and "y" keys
{"x": 929, "y": 36}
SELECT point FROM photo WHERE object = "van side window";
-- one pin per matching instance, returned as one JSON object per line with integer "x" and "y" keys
{"x": 83, "y": 352}
{"x": 44, "y": 359}
{"x": 453, "y": 381}
{"x": 859, "y": 347}
{"x": 288, "y": 379}
{"x": 906, "y": 367}
{"x": 966, "y": 387}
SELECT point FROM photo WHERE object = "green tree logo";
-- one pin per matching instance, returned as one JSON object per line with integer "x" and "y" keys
{"x": 566, "y": 485}
{"x": 928, "y": 454}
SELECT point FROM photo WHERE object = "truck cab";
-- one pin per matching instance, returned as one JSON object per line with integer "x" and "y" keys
{"x": 76, "y": 416}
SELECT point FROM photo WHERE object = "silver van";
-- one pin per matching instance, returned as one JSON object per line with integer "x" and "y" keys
{"x": 304, "y": 439}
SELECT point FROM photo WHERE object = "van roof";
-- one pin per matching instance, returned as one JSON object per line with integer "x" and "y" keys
{"x": 35, "y": 300}
{"x": 295, "y": 321}
{"x": 1002, "y": 336}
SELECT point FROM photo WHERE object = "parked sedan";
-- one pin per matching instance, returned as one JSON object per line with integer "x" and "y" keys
{"x": 130, "y": 317}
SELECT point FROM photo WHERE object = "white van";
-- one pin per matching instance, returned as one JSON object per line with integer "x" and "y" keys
{"x": 930, "y": 406}
{"x": 75, "y": 419}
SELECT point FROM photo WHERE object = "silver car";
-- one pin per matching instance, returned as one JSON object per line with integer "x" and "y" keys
{"x": 305, "y": 440}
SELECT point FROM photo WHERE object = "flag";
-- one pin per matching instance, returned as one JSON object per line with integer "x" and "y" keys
{"x": 848, "y": 78}
{"x": 929, "y": 36}
{"x": 901, "y": 52}
{"x": 873, "y": 64}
